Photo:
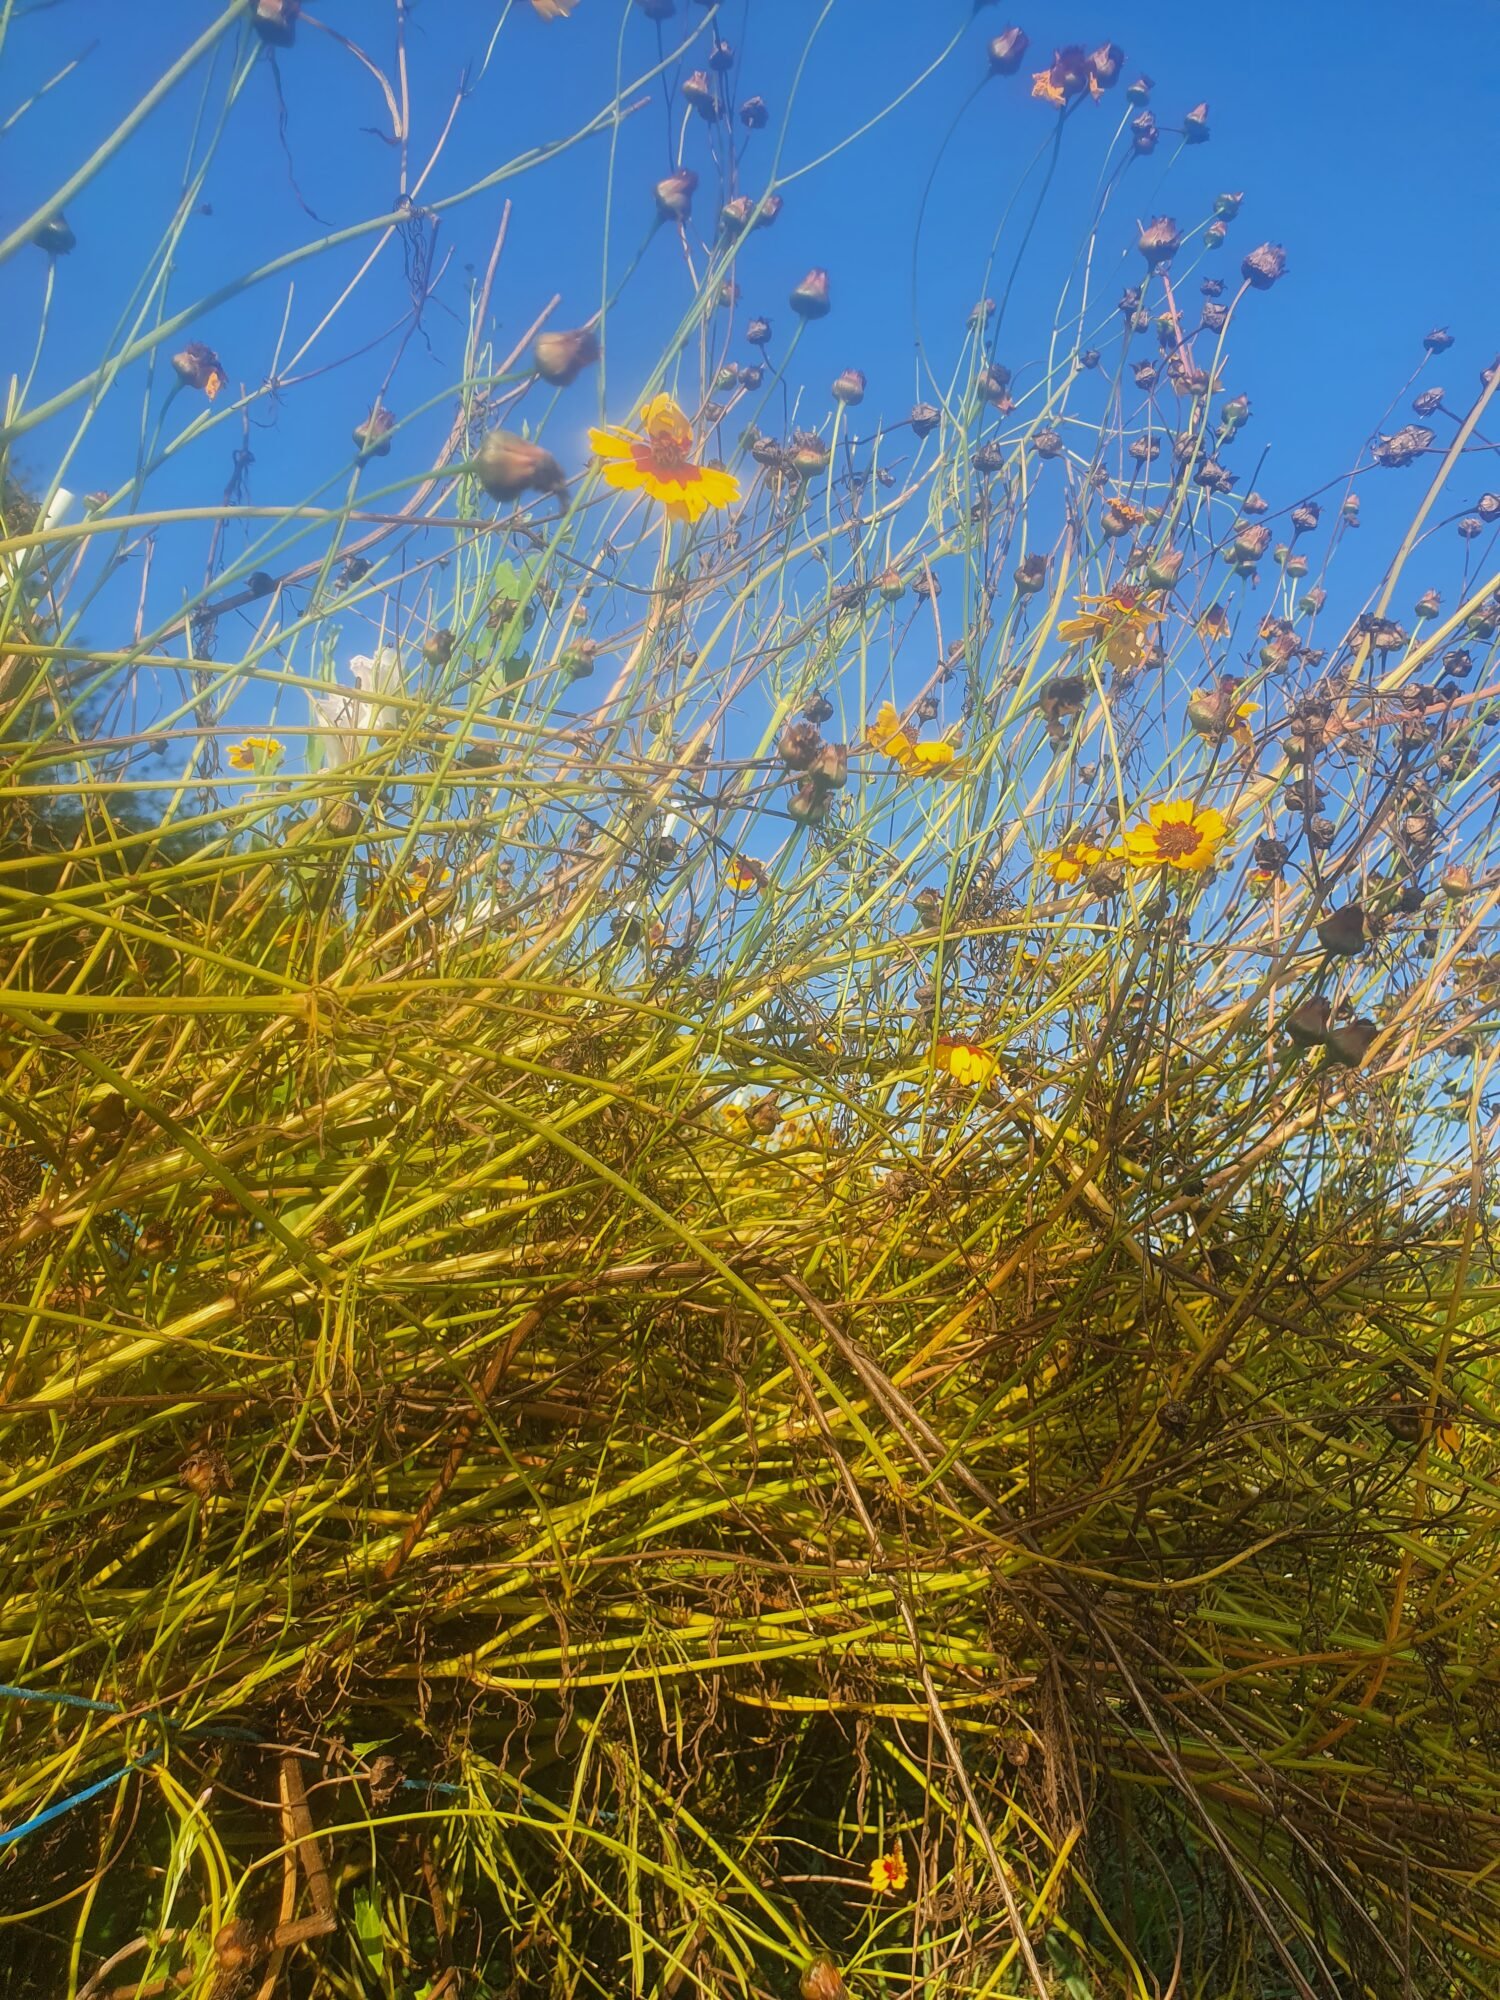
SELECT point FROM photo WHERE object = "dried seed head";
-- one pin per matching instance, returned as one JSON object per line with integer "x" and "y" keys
{"x": 799, "y": 745}
{"x": 674, "y": 195}
{"x": 924, "y": 419}
{"x": 275, "y": 21}
{"x": 758, "y": 332}
{"x": 437, "y": 647}
{"x": 890, "y": 585}
{"x": 755, "y": 114}
{"x": 1428, "y": 402}
{"x": 698, "y": 90}
{"x": 1350, "y": 1042}
{"x": 1307, "y": 1025}
{"x": 54, "y": 236}
{"x": 989, "y": 457}
{"x": 1403, "y": 447}
{"x": 1143, "y": 133}
{"x": 810, "y": 299}
{"x": 1264, "y": 265}
{"x": 1428, "y": 605}
{"x": 1031, "y": 573}
{"x": 1344, "y": 933}
{"x": 560, "y": 358}
{"x": 1195, "y": 126}
{"x": 1106, "y": 63}
{"x": 1008, "y": 51}
{"x": 1438, "y": 341}
{"x": 1159, "y": 242}
{"x": 1145, "y": 374}
{"x": 1047, "y": 444}
{"x": 849, "y": 388}
{"x": 507, "y": 466}
{"x": 749, "y": 376}
{"x": 372, "y": 437}
{"x": 1305, "y": 516}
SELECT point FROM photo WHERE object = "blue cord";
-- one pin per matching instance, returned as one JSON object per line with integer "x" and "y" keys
{"x": 12, "y": 1834}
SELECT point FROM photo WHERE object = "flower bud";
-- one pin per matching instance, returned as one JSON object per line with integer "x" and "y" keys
{"x": 437, "y": 647}
{"x": 1264, "y": 265}
{"x": 54, "y": 236}
{"x": 1487, "y": 507}
{"x": 1008, "y": 51}
{"x": 808, "y": 802}
{"x": 758, "y": 332}
{"x": 508, "y": 465}
{"x": 994, "y": 381}
{"x": 1250, "y": 543}
{"x": 1216, "y": 235}
{"x": 1140, "y": 91}
{"x": 1195, "y": 126}
{"x": 1164, "y": 568}
{"x": 750, "y": 377}
{"x": 674, "y": 195}
{"x": 1349, "y": 510}
{"x": 1159, "y": 242}
{"x": 755, "y": 115}
{"x": 1031, "y": 574}
{"x": 890, "y": 585}
{"x": 372, "y": 437}
{"x": 1235, "y": 414}
{"x": 560, "y": 358}
{"x": 1429, "y": 604}
{"x": 1227, "y": 205}
{"x": 734, "y": 216}
{"x": 1144, "y": 374}
{"x": 1105, "y": 64}
{"x": 849, "y": 388}
{"x": 1456, "y": 882}
{"x": 1143, "y": 133}
{"x": 809, "y": 454}
{"x": 810, "y": 300}
{"x": 721, "y": 57}
{"x": 276, "y": 21}
{"x": 1212, "y": 288}
{"x": 577, "y": 662}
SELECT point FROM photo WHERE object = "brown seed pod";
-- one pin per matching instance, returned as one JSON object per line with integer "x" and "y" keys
{"x": 1344, "y": 933}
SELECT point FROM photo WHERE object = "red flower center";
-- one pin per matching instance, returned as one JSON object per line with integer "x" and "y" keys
{"x": 664, "y": 460}
{"x": 1177, "y": 839}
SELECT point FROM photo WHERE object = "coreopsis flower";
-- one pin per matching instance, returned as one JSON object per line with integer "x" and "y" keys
{"x": 198, "y": 367}
{"x": 659, "y": 464}
{"x": 917, "y": 759}
{"x": 1069, "y": 76}
{"x": 256, "y": 753}
{"x": 349, "y": 719}
{"x": 745, "y": 876}
{"x": 1176, "y": 834}
{"x": 1071, "y": 861}
{"x": 1117, "y": 620}
{"x": 888, "y": 1871}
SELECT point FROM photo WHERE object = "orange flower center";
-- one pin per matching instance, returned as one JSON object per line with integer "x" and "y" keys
{"x": 1177, "y": 839}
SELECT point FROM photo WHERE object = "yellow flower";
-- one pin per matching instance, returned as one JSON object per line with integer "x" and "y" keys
{"x": 1071, "y": 861}
{"x": 888, "y": 1871}
{"x": 256, "y": 753}
{"x": 972, "y": 1066}
{"x": 1119, "y": 621}
{"x": 1176, "y": 834}
{"x": 659, "y": 464}
{"x": 1127, "y": 510}
{"x": 917, "y": 759}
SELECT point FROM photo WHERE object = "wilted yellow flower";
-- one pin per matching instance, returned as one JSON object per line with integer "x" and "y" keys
{"x": 1214, "y": 623}
{"x": 973, "y": 1066}
{"x": 256, "y": 753}
{"x": 1176, "y": 834}
{"x": 1119, "y": 620}
{"x": 658, "y": 463}
{"x": 198, "y": 367}
{"x": 1071, "y": 861}
{"x": 917, "y": 759}
{"x": 888, "y": 1871}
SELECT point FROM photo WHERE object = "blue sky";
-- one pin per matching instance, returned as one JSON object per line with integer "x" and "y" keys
{"x": 1356, "y": 130}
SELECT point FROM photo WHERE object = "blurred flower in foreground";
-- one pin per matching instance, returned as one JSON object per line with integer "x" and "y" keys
{"x": 256, "y": 753}
{"x": 349, "y": 719}
{"x": 822, "y": 1980}
{"x": 198, "y": 367}
{"x": 1118, "y": 620}
{"x": 554, "y": 10}
{"x": 658, "y": 464}
{"x": 888, "y": 1871}
{"x": 1071, "y": 861}
{"x": 1176, "y": 834}
{"x": 916, "y": 759}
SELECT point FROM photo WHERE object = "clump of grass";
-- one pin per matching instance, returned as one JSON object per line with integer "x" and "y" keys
{"x": 672, "y": 1328}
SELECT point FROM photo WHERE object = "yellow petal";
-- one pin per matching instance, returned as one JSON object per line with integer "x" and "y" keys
{"x": 611, "y": 444}
{"x": 664, "y": 423}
